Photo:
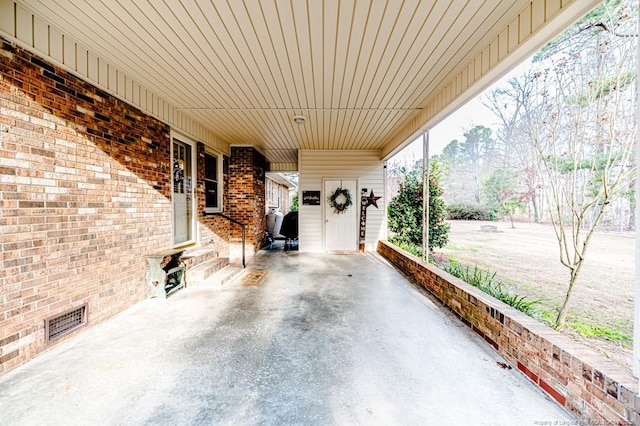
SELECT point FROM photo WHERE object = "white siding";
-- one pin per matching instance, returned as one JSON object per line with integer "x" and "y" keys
{"x": 526, "y": 33}
{"x": 19, "y": 24}
{"x": 316, "y": 165}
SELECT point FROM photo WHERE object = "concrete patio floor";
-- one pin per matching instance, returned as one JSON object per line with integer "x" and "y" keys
{"x": 326, "y": 339}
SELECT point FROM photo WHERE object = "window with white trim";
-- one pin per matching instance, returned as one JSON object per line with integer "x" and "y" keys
{"x": 213, "y": 182}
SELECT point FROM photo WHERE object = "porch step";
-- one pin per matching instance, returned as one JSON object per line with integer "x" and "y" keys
{"x": 203, "y": 270}
{"x": 227, "y": 274}
{"x": 195, "y": 257}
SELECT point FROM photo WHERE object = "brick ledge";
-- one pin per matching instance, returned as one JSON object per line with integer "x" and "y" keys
{"x": 591, "y": 388}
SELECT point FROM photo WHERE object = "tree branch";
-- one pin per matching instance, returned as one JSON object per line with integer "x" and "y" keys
{"x": 608, "y": 29}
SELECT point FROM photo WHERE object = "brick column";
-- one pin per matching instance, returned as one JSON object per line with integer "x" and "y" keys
{"x": 246, "y": 194}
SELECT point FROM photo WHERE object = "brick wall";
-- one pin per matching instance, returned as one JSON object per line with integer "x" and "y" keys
{"x": 246, "y": 194}
{"x": 277, "y": 196}
{"x": 84, "y": 194}
{"x": 592, "y": 389}
{"x": 284, "y": 199}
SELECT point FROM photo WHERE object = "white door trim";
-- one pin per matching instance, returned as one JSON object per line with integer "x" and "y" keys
{"x": 190, "y": 182}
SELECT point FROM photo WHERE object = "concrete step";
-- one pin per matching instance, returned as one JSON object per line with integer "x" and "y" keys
{"x": 227, "y": 274}
{"x": 223, "y": 276}
{"x": 195, "y": 257}
{"x": 202, "y": 271}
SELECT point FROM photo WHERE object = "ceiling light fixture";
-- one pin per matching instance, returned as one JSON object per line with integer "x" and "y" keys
{"x": 299, "y": 119}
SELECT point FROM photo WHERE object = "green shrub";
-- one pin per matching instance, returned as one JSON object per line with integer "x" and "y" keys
{"x": 408, "y": 247}
{"x": 469, "y": 212}
{"x": 405, "y": 211}
{"x": 486, "y": 281}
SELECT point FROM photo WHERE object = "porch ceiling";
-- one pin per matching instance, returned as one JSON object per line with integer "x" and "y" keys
{"x": 360, "y": 71}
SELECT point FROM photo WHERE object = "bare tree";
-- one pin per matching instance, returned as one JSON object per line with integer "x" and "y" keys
{"x": 509, "y": 103}
{"x": 581, "y": 120}
{"x": 465, "y": 163}
{"x": 456, "y": 181}
{"x": 477, "y": 149}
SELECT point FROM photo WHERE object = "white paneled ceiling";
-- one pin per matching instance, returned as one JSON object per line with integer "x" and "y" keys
{"x": 359, "y": 70}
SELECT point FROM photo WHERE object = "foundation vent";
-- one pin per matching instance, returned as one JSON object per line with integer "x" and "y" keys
{"x": 65, "y": 323}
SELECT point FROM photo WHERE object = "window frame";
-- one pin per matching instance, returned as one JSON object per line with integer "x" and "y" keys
{"x": 219, "y": 161}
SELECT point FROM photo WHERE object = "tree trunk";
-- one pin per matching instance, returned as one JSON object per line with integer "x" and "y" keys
{"x": 476, "y": 187}
{"x": 631, "y": 225}
{"x": 562, "y": 315}
{"x": 534, "y": 202}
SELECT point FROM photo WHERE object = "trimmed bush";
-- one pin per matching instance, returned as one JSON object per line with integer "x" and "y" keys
{"x": 405, "y": 212}
{"x": 469, "y": 212}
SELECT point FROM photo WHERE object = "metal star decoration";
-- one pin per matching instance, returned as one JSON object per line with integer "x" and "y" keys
{"x": 372, "y": 200}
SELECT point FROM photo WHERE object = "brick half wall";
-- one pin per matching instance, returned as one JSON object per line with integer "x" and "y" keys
{"x": 593, "y": 389}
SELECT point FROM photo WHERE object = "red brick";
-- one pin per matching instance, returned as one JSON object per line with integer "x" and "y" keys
{"x": 527, "y": 372}
{"x": 9, "y": 356}
{"x": 9, "y": 339}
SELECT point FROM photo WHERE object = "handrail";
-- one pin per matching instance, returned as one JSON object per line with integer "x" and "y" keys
{"x": 242, "y": 226}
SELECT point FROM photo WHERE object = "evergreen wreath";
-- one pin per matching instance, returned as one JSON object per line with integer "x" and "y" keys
{"x": 336, "y": 200}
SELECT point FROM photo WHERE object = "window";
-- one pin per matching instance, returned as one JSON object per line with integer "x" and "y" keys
{"x": 273, "y": 194}
{"x": 213, "y": 182}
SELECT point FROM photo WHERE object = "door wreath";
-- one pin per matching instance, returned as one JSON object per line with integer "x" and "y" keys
{"x": 340, "y": 200}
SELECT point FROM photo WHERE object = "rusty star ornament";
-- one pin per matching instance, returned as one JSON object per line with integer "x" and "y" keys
{"x": 372, "y": 200}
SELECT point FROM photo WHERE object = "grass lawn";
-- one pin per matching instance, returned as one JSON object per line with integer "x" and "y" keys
{"x": 526, "y": 259}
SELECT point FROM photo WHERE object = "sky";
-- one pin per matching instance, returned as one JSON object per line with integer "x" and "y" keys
{"x": 469, "y": 115}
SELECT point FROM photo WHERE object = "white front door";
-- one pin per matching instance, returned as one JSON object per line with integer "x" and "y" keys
{"x": 341, "y": 227}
